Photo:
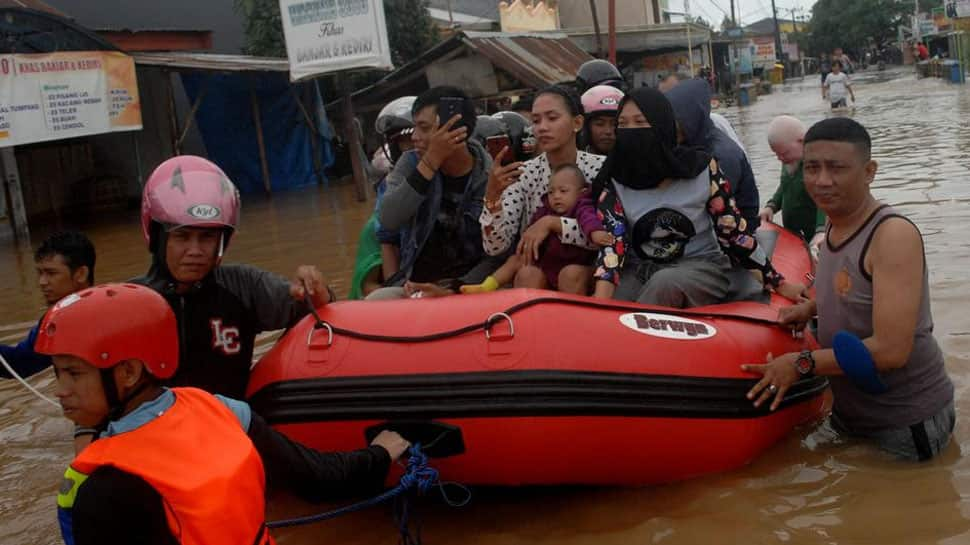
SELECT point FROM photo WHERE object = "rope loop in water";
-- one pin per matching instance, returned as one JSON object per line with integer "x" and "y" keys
{"x": 418, "y": 476}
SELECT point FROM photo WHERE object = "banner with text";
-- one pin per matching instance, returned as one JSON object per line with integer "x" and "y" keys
{"x": 957, "y": 8}
{"x": 65, "y": 95}
{"x": 325, "y": 36}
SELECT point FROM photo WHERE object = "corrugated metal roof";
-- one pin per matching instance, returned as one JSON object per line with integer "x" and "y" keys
{"x": 212, "y": 61}
{"x": 31, "y": 4}
{"x": 535, "y": 59}
{"x": 486, "y": 9}
{"x": 459, "y": 18}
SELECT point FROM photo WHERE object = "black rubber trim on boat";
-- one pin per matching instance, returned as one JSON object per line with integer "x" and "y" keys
{"x": 487, "y": 324}
{"x": 515, "y": 393}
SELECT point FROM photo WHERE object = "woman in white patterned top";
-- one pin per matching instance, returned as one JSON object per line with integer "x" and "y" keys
{"x": 515, "y": 192}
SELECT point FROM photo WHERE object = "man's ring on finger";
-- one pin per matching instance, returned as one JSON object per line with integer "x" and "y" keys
{"x": 772, "y": 388}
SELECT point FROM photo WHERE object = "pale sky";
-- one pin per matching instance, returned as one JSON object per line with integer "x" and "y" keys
{"x": 751, "y": 10}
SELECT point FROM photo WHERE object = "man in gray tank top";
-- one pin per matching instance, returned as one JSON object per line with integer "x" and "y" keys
{"x": 886, "y": 369}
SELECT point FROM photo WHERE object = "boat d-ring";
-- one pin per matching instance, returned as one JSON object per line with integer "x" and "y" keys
{"x": 321, "y": 325}
{"x": 491, "y": 320}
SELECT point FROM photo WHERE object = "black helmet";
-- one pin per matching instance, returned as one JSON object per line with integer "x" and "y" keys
{"x": 598, "y": 72}
{"x": 486, "y": 126}
{"x": 516, "y": 126}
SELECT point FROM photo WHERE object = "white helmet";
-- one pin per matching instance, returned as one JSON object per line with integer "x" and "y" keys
{"x": 395, "y": 118}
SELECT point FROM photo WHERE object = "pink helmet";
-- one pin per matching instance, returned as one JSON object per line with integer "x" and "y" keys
{"x": 602, "y": 98}
{"x": 189, "y": 191}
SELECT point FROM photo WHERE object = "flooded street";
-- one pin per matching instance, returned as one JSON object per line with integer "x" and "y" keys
{"x": 805, "y": 490}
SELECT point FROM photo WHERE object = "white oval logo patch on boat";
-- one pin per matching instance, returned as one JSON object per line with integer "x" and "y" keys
{"x": 667, "y": 326}
{"x": 204, "y": 211}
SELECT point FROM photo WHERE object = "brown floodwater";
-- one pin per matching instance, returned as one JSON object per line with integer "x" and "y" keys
{"x": 807, "y": 489}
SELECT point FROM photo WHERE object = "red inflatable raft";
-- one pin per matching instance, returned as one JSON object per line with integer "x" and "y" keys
{"x": 535, "y": 387}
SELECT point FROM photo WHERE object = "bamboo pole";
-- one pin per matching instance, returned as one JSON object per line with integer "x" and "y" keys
{"x": 267, "y": 185}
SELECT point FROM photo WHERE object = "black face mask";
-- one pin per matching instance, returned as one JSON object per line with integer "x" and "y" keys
{"x": 639, "y": 159}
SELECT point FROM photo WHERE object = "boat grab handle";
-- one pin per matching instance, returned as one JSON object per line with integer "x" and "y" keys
{"x": 321, "y": 325}
{"x": 491, "y": 320}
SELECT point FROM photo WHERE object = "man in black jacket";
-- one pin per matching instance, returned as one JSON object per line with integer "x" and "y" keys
{"x": 190, "y": 210}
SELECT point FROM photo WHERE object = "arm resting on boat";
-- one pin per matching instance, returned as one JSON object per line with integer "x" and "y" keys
{"x": 266, "y": 294}
{"x": 314, "y": 475}
{"x": 730, "y": 228}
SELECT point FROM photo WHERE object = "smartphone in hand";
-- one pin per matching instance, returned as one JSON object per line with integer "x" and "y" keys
{"x": 449, "y": 107}
{"x": 495, "y": 145}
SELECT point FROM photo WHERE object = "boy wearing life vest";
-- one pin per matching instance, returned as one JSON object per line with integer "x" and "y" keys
{"x": 172, "y": 466}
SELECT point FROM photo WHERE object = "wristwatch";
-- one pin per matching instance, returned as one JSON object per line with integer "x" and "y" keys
{"x": 805, "y": 363}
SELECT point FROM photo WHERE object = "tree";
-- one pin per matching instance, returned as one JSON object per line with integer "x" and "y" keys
{"x": 727, "y": 23}
{"x": 852, "y": 24}
{"x": 410, "y": 29}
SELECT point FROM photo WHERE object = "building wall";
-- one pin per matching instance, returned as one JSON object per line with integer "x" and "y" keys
{"x": 215, "y": 15}
{"x": 575, "y": 14}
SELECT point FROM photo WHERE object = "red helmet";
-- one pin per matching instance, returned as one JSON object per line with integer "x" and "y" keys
{"x": 111, "y": 323}
{"x": 189, "y": 191}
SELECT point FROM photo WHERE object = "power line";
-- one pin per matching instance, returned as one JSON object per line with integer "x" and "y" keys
{"x": 722, "y": 10}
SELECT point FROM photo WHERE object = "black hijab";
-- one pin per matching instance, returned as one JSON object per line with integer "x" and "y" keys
{"x": 643, "y": 157}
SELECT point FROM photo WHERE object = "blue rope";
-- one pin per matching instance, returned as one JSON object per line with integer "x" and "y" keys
{"x": 418, "y": 475}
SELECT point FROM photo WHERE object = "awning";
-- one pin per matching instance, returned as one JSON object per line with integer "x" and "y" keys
{"x": 213, "y": 62}
{"x": 647, "y": 38}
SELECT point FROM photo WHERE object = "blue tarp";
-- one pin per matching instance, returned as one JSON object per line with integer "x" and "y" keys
{"x": 225, "y": 119}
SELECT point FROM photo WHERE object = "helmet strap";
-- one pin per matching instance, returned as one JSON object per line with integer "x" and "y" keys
{"x": 116, "y": 405}
{"x": 111, "y": 396}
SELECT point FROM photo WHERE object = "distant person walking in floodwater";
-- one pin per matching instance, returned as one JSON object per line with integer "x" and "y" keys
{"x": 836, "y": 86}
{"x": 824, "y": 68}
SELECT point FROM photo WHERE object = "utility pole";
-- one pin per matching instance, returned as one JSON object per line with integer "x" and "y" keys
{"x": 733, "y": 20}
{"x": 774, "y": 16}
{"x": 690, "y": 49}
{"x": 612, "y": 24}
{"x": 596, "y": 27}
{"x": 916, "y": 34}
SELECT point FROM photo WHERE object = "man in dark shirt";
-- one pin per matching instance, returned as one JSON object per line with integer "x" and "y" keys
{"x": 65, "y": 264}
{"x": 438, "y": 202}
{"x": 189, "y": 214}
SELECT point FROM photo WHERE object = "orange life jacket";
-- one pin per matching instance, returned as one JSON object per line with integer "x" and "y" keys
{"x": 199, "y": 460}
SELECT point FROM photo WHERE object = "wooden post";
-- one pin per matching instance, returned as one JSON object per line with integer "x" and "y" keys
{"x": 137, "y": 149}
{"x": 596, "y": 28}
{"x": 314, "y": 133}
{"x": 267, "y": 185}
{"x": 353, "y": 142}
{"x": 612, "y": 29}
{"x": 172, "y": 116}
{"x": 191, "y": 117}
{"x": 18, "y": 212}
